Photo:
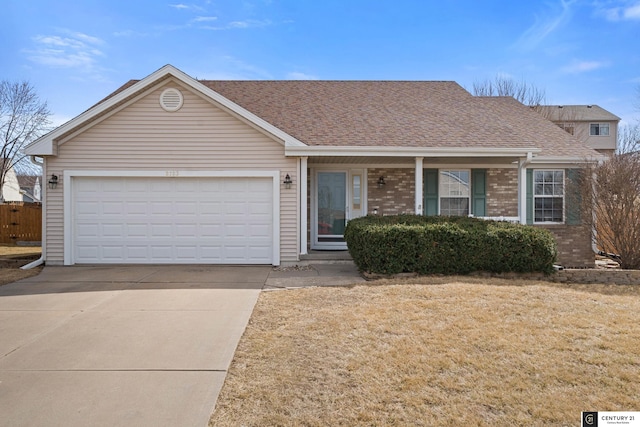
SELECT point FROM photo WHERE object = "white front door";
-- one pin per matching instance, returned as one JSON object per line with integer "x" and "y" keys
{"x": 338, "y": 196}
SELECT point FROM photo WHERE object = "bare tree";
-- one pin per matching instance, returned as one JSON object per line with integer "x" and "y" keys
{"x": 23, "y": 118}
{"x": 609, "y": 196}
{"x": 522, "y": 91}
{"x": 629, "y": 138}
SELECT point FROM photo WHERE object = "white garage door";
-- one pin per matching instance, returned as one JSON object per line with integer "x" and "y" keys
{"x": 172, "y": 220}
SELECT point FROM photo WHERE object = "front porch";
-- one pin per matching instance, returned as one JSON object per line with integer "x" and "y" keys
{"x": 338, "y": 189}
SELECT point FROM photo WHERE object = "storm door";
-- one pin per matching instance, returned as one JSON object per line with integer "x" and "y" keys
{"x": 338, "y": 197}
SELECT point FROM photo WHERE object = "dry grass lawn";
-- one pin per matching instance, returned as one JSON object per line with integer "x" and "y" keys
{"x": 13, "y": 251}
{"x": 8, "y": 275}
{"x": 436, "y": 351}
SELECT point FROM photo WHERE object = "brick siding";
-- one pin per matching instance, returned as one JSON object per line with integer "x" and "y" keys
{"x": 502, "y": 192}
{"x": 574, "y": 245}
{"x": 397, "y": 196}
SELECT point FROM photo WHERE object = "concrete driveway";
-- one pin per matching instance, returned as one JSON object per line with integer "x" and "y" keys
{"x": 121, "y": 346}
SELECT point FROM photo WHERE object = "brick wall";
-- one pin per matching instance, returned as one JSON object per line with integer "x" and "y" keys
{"x": 397, "y": 196}
{"x": 574, "y": 245}
{"x": 574, "y": 242}
{"x": 502, "y": 192}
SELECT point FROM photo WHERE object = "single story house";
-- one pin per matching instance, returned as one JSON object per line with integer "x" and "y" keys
{"x": 170, "y": 169}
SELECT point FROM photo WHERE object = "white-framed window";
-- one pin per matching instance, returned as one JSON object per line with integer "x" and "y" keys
{"x": 599, "y": 129}
{"x": 454, "y": 191}
{"x": 548, "y": 195}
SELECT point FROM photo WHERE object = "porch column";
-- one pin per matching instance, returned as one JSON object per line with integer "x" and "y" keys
{"x": 418, "y": 186}
{"x": 303, "y": 205}
{"x": 522, "y": 188}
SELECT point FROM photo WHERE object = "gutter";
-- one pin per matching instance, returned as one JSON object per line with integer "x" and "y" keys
{"x": 35, "y": 161}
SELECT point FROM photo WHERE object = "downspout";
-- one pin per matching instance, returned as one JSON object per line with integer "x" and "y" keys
{"x": 40, "y": 260}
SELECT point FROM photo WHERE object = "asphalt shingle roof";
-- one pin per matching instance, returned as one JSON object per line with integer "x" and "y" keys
{"x": 569, "y": 113}
{"x": 439, "y": 114}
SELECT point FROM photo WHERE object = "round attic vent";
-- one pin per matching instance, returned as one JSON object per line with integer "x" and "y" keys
{"x": 171, "y": 99}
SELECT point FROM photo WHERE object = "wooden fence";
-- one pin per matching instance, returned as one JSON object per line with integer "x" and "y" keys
{"x": 20, "y": 222}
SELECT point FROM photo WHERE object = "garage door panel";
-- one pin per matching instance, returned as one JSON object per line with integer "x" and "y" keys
{"x": 187, "y": 208}
{"x": 113, "y": 230}
{"x": 259, "y": 229}
{"x": 88, "y": 252}
{"x": 161, "y": 208}
{"x": 113, "y": 208}
{"x": 136, "y": 208}
{"x": 211, "y": 253}
{"x": 186, "y": 231}
{"x": 115, "y": 252}
{"x": 160, "y": 230}
{"x": 210, "y": 230}
{"x": 90, "y": 231}
{"x": 136, "y": 230}
{"x": 210, "y": 208}
{"x": 135, "y": 186}
{"x": 172, "y": 220}
{"x": 89, "y": 208}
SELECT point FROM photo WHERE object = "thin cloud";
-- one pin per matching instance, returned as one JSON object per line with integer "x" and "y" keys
{"x": 295, "y": 75}
{"x": 72, "y": 50}
{"x": 578, "y": 67}
{"x": 228, "y": 67}
{"x": 182, "y": 6}
{"x": 239, "y": 25}
{"x": 622, "y": 13}
{"x": 204, "y": 19}
{"x": 130, "y": 33}
{"x": 545, "y": 25}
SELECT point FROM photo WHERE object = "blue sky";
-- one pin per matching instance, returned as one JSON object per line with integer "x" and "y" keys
{"x": 76, "y": 52}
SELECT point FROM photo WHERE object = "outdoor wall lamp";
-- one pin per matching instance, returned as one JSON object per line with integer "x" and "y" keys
{"x": 53, "y": 182}
{"x": 287, "y": 181}
{"x": 381, "y": 182}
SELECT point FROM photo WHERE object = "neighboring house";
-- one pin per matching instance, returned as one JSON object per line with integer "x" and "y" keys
{"x": 170, "y": 169}
{"x": 10, "y": 187}
{"x": 30, "y": 188}
{"x": 591, "y": 124}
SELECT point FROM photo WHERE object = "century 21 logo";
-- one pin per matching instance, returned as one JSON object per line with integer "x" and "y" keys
{"x": 590, "y": 419}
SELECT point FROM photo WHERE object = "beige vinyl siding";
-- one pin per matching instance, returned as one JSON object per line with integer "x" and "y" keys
{"x": 200, "y": 136}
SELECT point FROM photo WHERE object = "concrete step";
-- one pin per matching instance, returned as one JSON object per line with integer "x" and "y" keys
{"x": 326, "y": 257}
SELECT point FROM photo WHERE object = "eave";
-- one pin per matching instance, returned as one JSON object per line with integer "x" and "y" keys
{"x": 389, "y": 151}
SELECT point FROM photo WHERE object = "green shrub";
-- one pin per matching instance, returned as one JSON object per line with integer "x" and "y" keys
{"x": 447, "y": 245}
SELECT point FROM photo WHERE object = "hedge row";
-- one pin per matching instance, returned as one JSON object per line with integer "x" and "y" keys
{"x": 447, "y": 245}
